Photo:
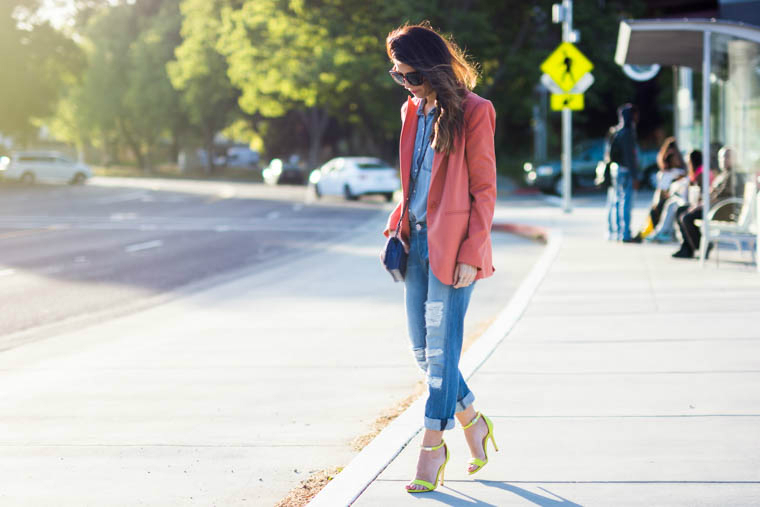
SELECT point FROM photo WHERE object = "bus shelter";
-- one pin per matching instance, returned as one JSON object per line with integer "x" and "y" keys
{"x": 717, "y": 92}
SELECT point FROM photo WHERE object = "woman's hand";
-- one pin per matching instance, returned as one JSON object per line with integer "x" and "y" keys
{"x": 464, "y": 275}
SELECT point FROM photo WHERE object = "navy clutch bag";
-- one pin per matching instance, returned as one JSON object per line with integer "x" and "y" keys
{"x": 395, "y": 258}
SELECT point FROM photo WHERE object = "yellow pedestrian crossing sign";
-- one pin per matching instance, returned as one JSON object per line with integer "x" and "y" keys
{"x": 572, "y": 101}
{"x": 566, "y": 65}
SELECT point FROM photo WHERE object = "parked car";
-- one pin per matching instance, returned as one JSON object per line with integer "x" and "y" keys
{"x": 353, "y": 177}
{"x": 547, "y": 176}
{"x": 44, "y": 166}
{"x": 279, "y": 172}
{"x": 242, "y": 157}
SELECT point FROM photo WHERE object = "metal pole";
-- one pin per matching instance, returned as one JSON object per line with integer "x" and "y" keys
{"x": 567, "y": 121}
{"x": 706, "y": 68}
{"x": 567, "y": 186}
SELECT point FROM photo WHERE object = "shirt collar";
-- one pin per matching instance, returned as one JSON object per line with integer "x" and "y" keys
{"x": 421, "y": 109}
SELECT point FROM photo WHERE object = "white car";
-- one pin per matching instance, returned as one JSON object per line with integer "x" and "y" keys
{"x": 353, "y": 177}
{"x": 50, "y": 167}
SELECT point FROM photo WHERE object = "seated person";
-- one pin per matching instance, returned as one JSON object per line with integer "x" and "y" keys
{"x": 721, "y": 187}
{"x": 670, "y": 171}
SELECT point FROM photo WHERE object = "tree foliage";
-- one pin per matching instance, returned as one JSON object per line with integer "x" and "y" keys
{"x": 38, "y": 61}
{"x": 321, "y": 59}
{"x": 199, "y": 71}
{"x": 302, "y": 76}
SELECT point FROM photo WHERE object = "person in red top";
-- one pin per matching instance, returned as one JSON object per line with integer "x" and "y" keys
{"x": 448, "y": 173}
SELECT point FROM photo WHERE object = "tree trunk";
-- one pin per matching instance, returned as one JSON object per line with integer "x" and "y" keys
{"x": 134, "y": 146}
{"x": 174, "y": 150}
{"x": 208, "y": 143}
{"x": 315, "y": 120}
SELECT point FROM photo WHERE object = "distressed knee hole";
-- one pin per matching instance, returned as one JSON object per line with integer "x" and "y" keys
{"x": 433, "y": 313}
{"x": 435, "y": 382}
{"x": 420, "y": 357}
{"x": 434, "y": 352}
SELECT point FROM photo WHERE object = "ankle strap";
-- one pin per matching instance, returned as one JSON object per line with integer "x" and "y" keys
{"x": 474, "y": 420}
{"x": 435, "y": 448}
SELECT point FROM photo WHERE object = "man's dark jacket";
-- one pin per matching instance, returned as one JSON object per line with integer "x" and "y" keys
{"x": 624, "y": 149}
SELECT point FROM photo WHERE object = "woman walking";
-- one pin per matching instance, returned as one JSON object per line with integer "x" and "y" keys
{"x": 448, "y": 171}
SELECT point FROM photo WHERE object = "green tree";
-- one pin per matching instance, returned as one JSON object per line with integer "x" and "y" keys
{"x": 38, "y": 62}
{"x": 153, "y": 103}
{"x": 124, "y": 96}
{"x": 321, "y": 59}
{"x": 199, "y": 71}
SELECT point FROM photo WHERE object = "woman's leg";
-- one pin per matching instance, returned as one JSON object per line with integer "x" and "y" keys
{"x": 474, "y": 434}
{"x": 666, "y": 220}
{"x": 416, "y": 296}
{"x": 444, "y": 323}
{"x": 429, "y": 462}
{"x": 435, "y": 315}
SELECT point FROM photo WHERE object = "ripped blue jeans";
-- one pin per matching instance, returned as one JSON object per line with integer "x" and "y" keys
{"x": 435, "y": 314}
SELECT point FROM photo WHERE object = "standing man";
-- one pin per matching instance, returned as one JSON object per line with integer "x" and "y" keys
{"x": 624, "y": 155}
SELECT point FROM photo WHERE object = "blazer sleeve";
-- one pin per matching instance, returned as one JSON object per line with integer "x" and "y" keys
{"x": 393, "y": 218}
{"x": 390, "y": 226}
{"x": 480, "y": 155}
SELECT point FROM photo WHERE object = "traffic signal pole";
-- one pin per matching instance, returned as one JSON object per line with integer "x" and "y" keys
{"x": 564, "y": 13}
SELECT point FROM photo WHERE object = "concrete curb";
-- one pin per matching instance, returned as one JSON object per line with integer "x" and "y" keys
{"x": 351, "y": 482}
{"x": 526, "y": 231}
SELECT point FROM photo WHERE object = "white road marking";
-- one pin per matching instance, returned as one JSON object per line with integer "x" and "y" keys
{"x": 144, "y": 246}
{"x": 222, "y": 228}
{"x": 7, "y": 272}
{"x": 123, "y": 216}
{"x": 273, "y": 215}
{"x": 226, "y": 192}
{"x": 132, "y": 196}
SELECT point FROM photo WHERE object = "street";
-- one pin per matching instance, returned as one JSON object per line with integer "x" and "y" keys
{"x": 74, "y": 253}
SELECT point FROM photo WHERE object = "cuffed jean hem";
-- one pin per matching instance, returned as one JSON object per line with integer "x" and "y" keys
{"x": 439, "y": 424}
{"x": 436, "y": 424}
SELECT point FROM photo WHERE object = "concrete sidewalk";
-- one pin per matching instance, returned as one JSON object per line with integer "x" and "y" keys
{"x": 630, "y": 378}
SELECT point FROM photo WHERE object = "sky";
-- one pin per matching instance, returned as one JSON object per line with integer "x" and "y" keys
{"x": 60, "y": 12}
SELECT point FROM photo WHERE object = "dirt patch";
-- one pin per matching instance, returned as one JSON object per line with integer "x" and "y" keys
{"x": 308, "y": 489}
{"x": 386, "y": 417}
{"x": 304, "y": 492}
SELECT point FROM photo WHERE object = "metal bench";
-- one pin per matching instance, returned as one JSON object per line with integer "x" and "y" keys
{"x": 743, "y": 230}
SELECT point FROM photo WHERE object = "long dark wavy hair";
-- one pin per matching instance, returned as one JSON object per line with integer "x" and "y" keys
{"x": 445, "y": 66}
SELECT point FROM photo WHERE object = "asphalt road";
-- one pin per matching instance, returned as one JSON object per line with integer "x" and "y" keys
{"x": 71, "y": 255}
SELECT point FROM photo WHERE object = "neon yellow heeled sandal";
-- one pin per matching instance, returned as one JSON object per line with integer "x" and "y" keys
{"x": 431, "y": 486}
{"x": 480, "y": 463}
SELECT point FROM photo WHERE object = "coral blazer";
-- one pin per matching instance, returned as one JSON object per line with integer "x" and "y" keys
{"x": 462, "y": 192}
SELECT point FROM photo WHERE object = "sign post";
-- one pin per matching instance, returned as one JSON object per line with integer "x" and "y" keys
{"x": 565, "y": 67}
{"x": 567, "y": 74}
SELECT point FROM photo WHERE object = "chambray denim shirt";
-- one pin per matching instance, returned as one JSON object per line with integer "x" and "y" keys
{"x": 422, "y": 165}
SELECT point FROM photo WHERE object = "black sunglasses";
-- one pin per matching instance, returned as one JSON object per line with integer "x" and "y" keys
{"x": 413, "y": 78}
